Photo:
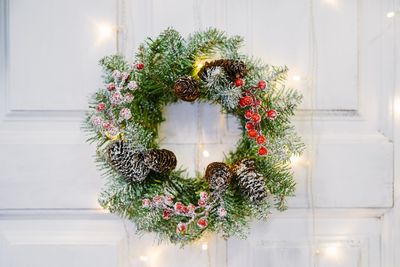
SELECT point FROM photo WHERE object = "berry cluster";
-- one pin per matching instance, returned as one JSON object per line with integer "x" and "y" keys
{"x": 253, "y": 115}
{"x": 189, "y": 213}
{"x": 118, "y": 96}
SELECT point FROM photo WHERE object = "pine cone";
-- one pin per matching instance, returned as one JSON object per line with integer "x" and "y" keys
{"x": 186, "y": 88}
{"x": 251, "y": 183}
{"x": 234, "y": 69}
{"x": 160, "y": 160}
{"x": 218, "y": 176}
{"x": 127, "y": 161}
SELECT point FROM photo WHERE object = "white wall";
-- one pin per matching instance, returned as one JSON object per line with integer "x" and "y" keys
{"x": 344, "y": 52}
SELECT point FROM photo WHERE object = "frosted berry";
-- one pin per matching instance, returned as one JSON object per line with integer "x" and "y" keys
{"x": 166, "y": 214}
{"x": 191, "y": 208}
{"x": 111, "y": 87}
{"x": 261, "y": 139}
{"x": 101, "y": 106}
{"x": 262, "y": 151}
{"x": 107, "y": 125}
{"x": 262, "y": 85}
{"x": 132, "y": 85}
{"x": 202, "y": 223}
{"x": 158, "y": 200}
{"x": 125, "y": 114}
{"x": 204, "y": 195}
{"x": 201, "y": 203}
{"x": 168, "y": 200}
{"x": 239, "y": 82}
{"x": 179, "y": 207}
{"x": 222, "y": 212}
{"x": 242, "y": 103}
{"x": 252, "y": 133}
{"x": 271, "y": 114}
{"x": 248, "y": 114}
{"x": 116, "y": 74}
{"x": 139, "y": 66}
{"x": 146, "y": 203}
{"x": 181, "y": 227}
{"x": 256, "y": 117}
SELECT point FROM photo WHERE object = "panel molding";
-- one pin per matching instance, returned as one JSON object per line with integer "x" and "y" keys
{"x": 10, "y": 114}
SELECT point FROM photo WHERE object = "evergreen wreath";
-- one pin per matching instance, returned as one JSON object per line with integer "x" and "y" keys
{"x": 143, "y": 184}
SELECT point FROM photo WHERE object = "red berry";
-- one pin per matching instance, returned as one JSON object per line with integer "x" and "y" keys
{"x": 261, "y": 139}
{"x": 271, "y": 114}
{"x": 239, "y": 82}
{"x": 201, "y": 203}
{"x": 262, "y": 84}
{"x": 101, "y": 106}
{"x": 110, "y": 87}
{"x": 242, "y": 102}
{"x": 248, "y": 114}
{"x": 256, "y": 117}
{"x": 262, "y": 151}
{"x": 107, "y": 125}
{"x": 139, "y": 66}
{"x": 249, "y": 126}
{"x": 252, "y": 133}
{"x": 179, "y": 207}
{"x": 248, "y": 100}
{"x": 166, "y": 214}
{"x": 202, "y": 223}
{"x": 181, "y": 227}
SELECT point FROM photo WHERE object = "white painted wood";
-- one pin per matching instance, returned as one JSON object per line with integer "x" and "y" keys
{"x": 48, "y": 182}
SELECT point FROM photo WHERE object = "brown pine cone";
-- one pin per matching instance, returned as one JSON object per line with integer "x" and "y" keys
{"x": 127, "y": 161}
{"x": 251, "y": 182}
{"x": 218, "y": 176}
{"x": 186, "y": 88}
{"x": 234, "y": 69}
{"x": 160, "y": 160}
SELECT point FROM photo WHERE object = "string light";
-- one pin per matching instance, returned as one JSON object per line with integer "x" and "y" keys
{"x": 204, "y": 246}
{"x": 331, "y": 251}
{"x": 143, "y": 258}
{"x": 296, "y": 78}
{"x": 391, "y": 14}
{"x": 206, "y": 154}
{"x": 396, "y": 106}
{"x": 295, "y": 159}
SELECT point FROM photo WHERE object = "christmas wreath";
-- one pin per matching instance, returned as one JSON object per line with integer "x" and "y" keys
{"x": 144, "y": 185}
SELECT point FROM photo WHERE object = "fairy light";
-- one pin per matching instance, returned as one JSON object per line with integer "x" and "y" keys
{"x": 296, "y": 78}
{"x": 143, "y": 258}
{"x": 206, "y": 154}
{"x": 204, "y": 246}
{"x": 396, "y": 107}
{"x": 295, "y": 159}
{"x": 390, "y": 14}
{"x": 331, "y": 251}
{"x": 105, "y": 31}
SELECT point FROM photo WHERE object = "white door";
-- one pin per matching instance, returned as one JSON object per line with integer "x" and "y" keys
{"x": 342, "y": 56}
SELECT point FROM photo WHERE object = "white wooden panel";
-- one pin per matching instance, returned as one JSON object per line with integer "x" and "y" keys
{"x": 53, "y": 51}
{"x": 48, "y": 176}
{"x": 286, "y": 241}
{"x": 62, "y": 243}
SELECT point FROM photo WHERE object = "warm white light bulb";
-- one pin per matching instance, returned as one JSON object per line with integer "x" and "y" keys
{"x": 332, "y": 251}
{"x": 296, "y": 78}
{"x": 390, "y": 14}
{"x": 206, "y": 154}
{"x": 204, "y": 246}
{"x": 105, "y": 31}
{"x": 294, "y": 159}
{"x": 396, "y": 106}
{"x": 143, "y": 258}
